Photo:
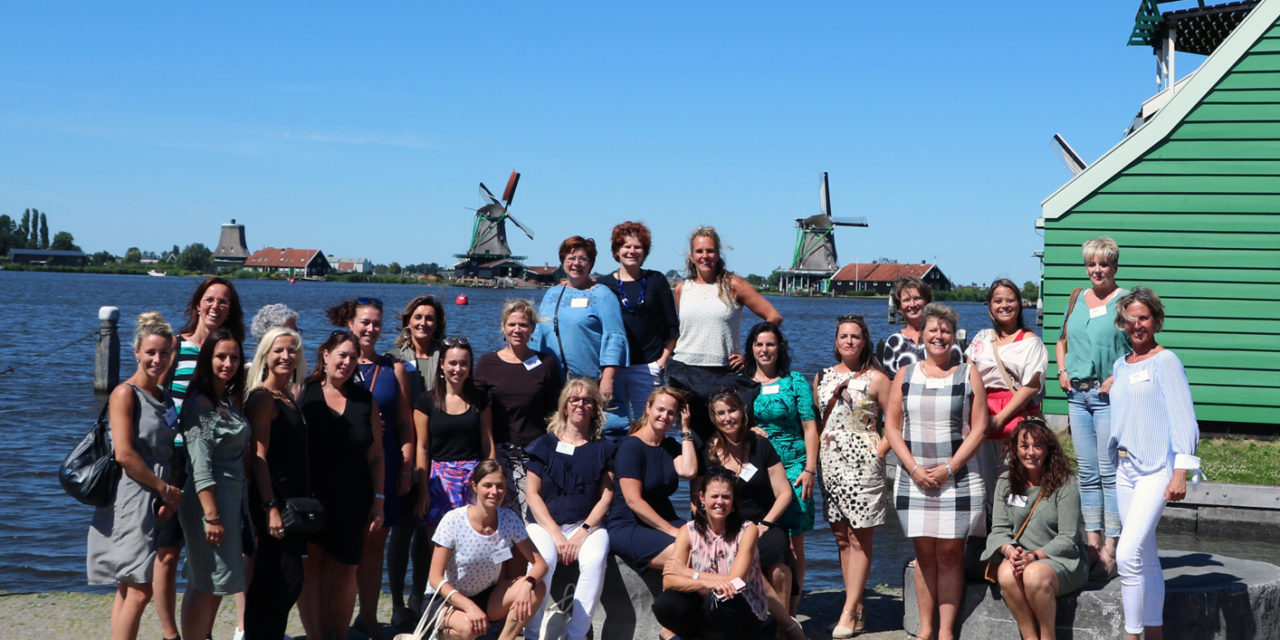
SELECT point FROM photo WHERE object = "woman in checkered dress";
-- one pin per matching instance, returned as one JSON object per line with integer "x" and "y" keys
{"x": 938, "y": 491}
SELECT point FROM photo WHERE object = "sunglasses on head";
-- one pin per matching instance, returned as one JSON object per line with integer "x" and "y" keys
{"x": 850, "y": 317}
{"x": 360, "y": 302}
{"x": 455, "y": 342}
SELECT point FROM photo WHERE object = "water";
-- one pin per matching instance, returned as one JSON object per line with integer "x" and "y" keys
{"x": 50, "y": 317}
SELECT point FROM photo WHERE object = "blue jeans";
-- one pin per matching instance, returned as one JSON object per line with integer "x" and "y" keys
{"x": 631, "y": 388}
{"x": 1090, "y": 414}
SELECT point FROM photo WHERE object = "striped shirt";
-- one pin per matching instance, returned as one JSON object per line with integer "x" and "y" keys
{"x": 184, "y": 367}
{"x": 1152, "y": 416}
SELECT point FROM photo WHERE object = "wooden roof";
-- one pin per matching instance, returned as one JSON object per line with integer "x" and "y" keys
{"x": 281, "y": 258}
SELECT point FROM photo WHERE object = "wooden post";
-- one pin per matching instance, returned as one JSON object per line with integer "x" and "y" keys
{"x": 106, "y": 362}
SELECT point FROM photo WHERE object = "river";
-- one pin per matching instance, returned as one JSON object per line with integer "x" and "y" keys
{"x": 47, "y": 387}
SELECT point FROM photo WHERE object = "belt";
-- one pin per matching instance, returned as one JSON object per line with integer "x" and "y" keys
{"x": 1086, "y": 384}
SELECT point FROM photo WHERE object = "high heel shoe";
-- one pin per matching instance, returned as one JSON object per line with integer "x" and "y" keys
{"x": 859, "y": 625}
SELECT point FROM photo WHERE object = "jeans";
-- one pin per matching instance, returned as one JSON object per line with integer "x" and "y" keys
{"x": 1137, "y": 559}
{"x": 631, "y": 388}
{"x": 592, "y": 556}
{"x": 1090, "y": 414}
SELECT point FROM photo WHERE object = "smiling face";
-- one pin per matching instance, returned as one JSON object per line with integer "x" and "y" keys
{"x": 215, "y": 304}
{"x": 704, "y": 254}
{"x": 765, "y": 349}
{"x": 1140, "y": 326}
{"x": 939, "y": 335}
{"x": 366, "y": 326}
{"x": 455, "y": 365}
{"x": 1030, "y": 454}
{"x": 340, "y": 362}
{"x": 728, "y": 418}
{"x": 282, "y": 357}
{"x": 423, "y": 323}
{"x": 1005, "y": 307}
{"x": 661, "y": 413}
{"x": 717, "y": 498}
{"x": 226, "y": 360}
{"x": 911, "y": 303}
{"x": 631, "y": 254}
{"x": 850, "y": 342}
{"x": 517, "y": 329}
{"x": 490, "y": 490}
{"x": 153, "y": 354}
{"x": 1102, "y": 273}
{"x": 577, "y": 266}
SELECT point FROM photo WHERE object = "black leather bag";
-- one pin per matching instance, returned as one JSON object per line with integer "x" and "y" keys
{"x": 302, "y": 515}
{"x": 90, "y": 472}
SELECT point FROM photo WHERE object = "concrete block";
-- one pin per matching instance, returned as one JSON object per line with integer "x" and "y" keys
{"x": 1207, "y": 597}
{"x": 1237, "y": 523}
{"x": 1178, "y": 519}
{"x": 626, "y": 606}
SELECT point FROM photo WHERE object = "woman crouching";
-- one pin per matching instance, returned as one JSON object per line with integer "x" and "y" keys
{"x": 472, "y": 544}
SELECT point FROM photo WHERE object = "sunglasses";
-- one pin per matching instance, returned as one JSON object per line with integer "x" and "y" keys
{"x": 850, "y": 317}
{"x": 360, "y": 302}
{"x": 455, "y": 342}
{"x": 339, "y": 332}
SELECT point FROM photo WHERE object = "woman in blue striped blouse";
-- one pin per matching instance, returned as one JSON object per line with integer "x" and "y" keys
{"x": 1153, "y": 445}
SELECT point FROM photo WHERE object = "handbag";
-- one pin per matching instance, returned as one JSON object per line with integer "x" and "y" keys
{"x": 90, "y": 472}
{"x": 1028, "y": 411}
{"x": 303, "y": 514}
{"x": 991, "y": 573}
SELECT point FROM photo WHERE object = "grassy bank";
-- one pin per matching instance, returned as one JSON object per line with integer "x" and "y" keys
{"x": 1228, "y": 459}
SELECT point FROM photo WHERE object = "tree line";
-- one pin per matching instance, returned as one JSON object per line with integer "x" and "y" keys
{"x": 32, "y": 232}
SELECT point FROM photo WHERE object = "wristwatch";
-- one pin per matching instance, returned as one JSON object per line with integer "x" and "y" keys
{"x": 268, "y": 504}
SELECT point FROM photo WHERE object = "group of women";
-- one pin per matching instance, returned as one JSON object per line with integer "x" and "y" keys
{"x": 569, "y": 442}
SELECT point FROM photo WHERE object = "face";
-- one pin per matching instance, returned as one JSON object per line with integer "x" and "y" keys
{"x": 1030, "y": 453}
{"x": 491, "y": 489}
{"x": 577, "y": 265}
{"x": 1101, "y": 272}
{"x": 728, "y": 417}
{"x": 704, "y": 254}
{"x": 1005, "y": 307}
{"x": 661, "y": 412}
{"x": 631, "y": 253}
{"x": 456, "y": 365}
{"x": 215, "y": 305}
{"x": 367, "y": 327}
{"x": 340, "y": 362}
{"x": 153, "y": 355}
{"x": 422, "y": 323}
{"x": 581, "y": 407}
{"x": 517, "y": 328}
{"x": 717, "y": 497}
{"x": 938, "y": 337}
{"x": 282, "y": 357}
{"x": 1142, "y": 328}
{"x": 226, "y": 360}
{"x": 765, "y": 349}
{"x": 911, "y": 303}
{"x": 849, "y": 341}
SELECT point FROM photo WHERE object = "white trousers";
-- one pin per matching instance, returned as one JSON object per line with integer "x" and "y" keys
{"x": 1141, "y": 500}
{"x": 586, "y": 594}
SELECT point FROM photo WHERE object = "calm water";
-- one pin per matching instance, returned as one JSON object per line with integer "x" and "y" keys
{"x": 50, "y": 316}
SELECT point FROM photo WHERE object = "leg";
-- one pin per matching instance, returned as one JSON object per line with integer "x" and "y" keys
{"x": 309, "y": 607}
{"x": 855, "y": 567}
{"x": 126, "y": 612}
{"x": 502, "y": 603}
{"x": 398, "y": 564}
{"x": 165, "y": 583}
{"x": 679, "y": 613}
{"x": 1141, "y": 499}
{"x": 340, "y": 602}
{"x": 369, "y": 579}
{"x": 1085, "y": 442}
{"x": 198, "y": 611}
{"x": 797, "y": 549}
{"x": 777, "y": 591}
{"x": 730, "y": 619}
{"x": 926, "y": 575}
{"x": 661, "y": 559}
{"x": 456, "y": 627}
{"x": 1041, "y": 584}
{"x": 1100, "y": 405}
{"x": 547, "y": 549}
{"x": 592, "y": 557}
{"x": 1013, "y": 590}
{"x": 950, "y": 576}
{"x": 420, "y": 556}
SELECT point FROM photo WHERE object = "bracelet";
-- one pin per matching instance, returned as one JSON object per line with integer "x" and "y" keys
{"x": 214, "y": 520}
{"x": 913, "y": 470}
{"x": 533, "y": 582}
{"x": 810, "y": 471}
{"x": 686, "y": 436}
{"x": 949, "y": 471}
{"x": 696, "y": 575}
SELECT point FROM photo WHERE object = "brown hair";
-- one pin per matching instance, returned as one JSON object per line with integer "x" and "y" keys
{"x": 716, "y": 444}
{"x": 1017, "y": 293}
{"x": 1056, "y": 470}
{"x": 903, "y": 284}
{"x": 867, "y": 359}
{"x": 630, "y": 228}
{"x": 573, "y": 243}
{"x": 407, "y": 315}
{"x": 234, "y": 321}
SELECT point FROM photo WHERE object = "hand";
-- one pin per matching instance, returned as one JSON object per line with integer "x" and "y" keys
{"x": 662, "y": 362}
{"x": 805, "y": 482}
{"x": 725, "y": 589}
{"x": 1017, "y": 559}
{"x": 476, "y": 618}
{"x": 760, "y": 433}
{"x": 522, "y": 606}
{"x": 375, "y": 515}
{"x": 673, "y": 567}
{"x": 938, "y": 475}
{"x": 172, "y": 496}
{"x": 686, "y": 418}
{"x": 1177, "y": 488}
{"x": 275, "y": 526}
{"x": 920, "y": 476}
{"x": 424, "y": 502}
{"x": 1105, "y": 389}
{"x": 405, "y": 483}
{"x": 213, "y": 533}
{"x": 164, "y": 512}
{"x": 761, "y": 528}
{"x": 606, "y": 389}
{"x": 1064, "y": 382}
{"x": 737, "y": 361}
{"x": 996, "y": 424}
{"x": 569, "y": 554}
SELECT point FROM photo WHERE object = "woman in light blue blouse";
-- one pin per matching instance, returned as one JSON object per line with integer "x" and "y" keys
{"x": 582, "y": 323}
{"x": 786, "y": 415}
{"x": 1086, "y": 349}
{"x": 1153, "y": 444}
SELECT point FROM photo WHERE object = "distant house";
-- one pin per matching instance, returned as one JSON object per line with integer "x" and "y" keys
{"x": 232, "y": 251}
{"x": 308, "y": 263}
{"x": 488, "y": 270}
{"x": 880, "y": 276}
{"x": 546, "y": 274}
{"x": 350, "y": 265}
{"x": 48, "y": 257}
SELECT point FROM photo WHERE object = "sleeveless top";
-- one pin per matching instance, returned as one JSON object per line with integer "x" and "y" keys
{"x": 709, "y": 328}
{"x": 714, "y": 554}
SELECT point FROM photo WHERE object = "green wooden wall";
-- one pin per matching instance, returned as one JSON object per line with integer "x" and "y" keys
{"x": 1197, "y": 218}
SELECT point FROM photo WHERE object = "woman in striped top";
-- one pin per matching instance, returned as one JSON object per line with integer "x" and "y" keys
{"x": 1153, "y": 444}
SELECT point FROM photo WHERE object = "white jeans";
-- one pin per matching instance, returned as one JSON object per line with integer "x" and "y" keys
{"x": 1141, "y": 500}
{"x": 586, "y": 594}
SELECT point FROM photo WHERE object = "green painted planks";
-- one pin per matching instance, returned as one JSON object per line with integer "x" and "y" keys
{"x": 1242, "y": 95}
{"x": 1239, "y": 113}
{"x": 1227, "y": 131}
{"x": 1254, "y": 379}
{"x": 1177, "y": 239}
{"x": 1257, "y": 60}
{"x": 1179, "y": 289}
{"x": 1205, "y": 412}
{"x": 1110, "y": 223}
{"x": 1112, "y": 203}
{"x": 1205, "y": 167}
{"x": 1194, "y": 184}
{"x": 1253, "y": 80}
{"x": 1246, "y": 258}
{"x": 1216, "y": 150}
{"x": 1061, "y": 278}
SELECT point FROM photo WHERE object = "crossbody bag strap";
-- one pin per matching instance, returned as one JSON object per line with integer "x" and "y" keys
{"x": 1029, "y": 513}
{"x": 1004, "y": 373}
{"x": 555, "y": 324}
{"x": 1071, "y": 305}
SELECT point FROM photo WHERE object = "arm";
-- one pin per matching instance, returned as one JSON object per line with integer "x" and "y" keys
{"x": 595, "y": 519}
{"x": 613, "y": 338}
{"x": 878, "y": 388}
{"x": 687, "y": 462}
{"x": 751, "y": 299}
{"x": 376, "y": 469}
{"x": 199, "y": 438}
{"x": 809, "y": 426}
{"x": 261, "y": 411}
{"x": 486, "y": 433}
{"x": 541, "y": 515}
{"x": 475, "y": 615}
{"x": 1017, "y": 403}
{"x": 121, "y": 420}
{"x": 422, "y": 462}
{"x": 676, "y": 574}
{"x": 524, "y": 591}
{"x": 893, "y": 433}
{"x": 782, "y": 494}
{"x": 669, "y": 316}
{"x": 632, "y": 494}
{"x": 404, "y": 422}
{"x": 1063, "y": 545}
{"x": 1001, "y": 521}
{"x": 1184, "y": 431}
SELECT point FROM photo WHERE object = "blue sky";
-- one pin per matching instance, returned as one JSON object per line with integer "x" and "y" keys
{"x": 364, "y": 130}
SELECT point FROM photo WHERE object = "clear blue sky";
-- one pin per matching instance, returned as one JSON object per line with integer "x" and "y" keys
{"x": 363, "y": 131}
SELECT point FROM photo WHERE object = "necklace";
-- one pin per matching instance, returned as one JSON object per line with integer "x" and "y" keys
{"x": 622, "y": 295}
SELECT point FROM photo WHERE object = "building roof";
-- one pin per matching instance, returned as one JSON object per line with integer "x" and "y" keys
{"x": 281, "y": 258}
{"x": 544, "y": 270}
{"x": 46, "y": 252}
{"x": 1199, "y": 28}
{"x": 882, "y": 271}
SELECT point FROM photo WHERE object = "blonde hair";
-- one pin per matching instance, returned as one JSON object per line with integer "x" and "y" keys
{"x": 724, "y": 277}
{"x": 519, "y": 305}
{"x": 258, "y": 370}
{"x": 1145, "y": 296}
{"x": 557, "y": 423}
{"x": 151, "y": 323}
{"x": 659, "y": 391}
{"x": 1103, "y": 248}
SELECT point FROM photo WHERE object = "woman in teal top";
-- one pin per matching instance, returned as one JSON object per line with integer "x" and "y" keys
{"x": 785, "y": 414}
{"x": 1086, "y": 351}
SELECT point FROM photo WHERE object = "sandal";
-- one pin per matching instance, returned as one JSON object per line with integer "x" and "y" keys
{"x": 839, "y": 632}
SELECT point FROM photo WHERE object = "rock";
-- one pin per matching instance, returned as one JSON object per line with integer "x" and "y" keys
{"x": 626, "y": 605}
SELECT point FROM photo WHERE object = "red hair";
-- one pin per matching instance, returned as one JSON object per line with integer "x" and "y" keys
{"x": 633, "y": 229}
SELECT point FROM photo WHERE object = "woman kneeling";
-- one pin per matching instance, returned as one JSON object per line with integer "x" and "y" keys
{"x": 1039, "y": 498}
{"x": 712, "y": 585}
{"x": 472, "y": 543}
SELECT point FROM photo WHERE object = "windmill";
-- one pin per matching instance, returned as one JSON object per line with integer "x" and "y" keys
{"x": 814, "y": 257}
{"x": 489, "y": 248}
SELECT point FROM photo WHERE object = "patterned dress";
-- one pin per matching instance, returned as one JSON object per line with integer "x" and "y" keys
{"x": 780, "y": 409}
{"x": 853, "y": 481}
{"x": 713, "y": 554}
{"x": 935, "y": 414}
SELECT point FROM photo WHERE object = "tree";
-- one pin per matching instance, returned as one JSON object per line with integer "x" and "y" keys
{"x": 755, "y": 280}
{"x": 196, "y": 257}
{"x": 8, "y": 231}
{"x": 44, "y": 232}
{"x": 1030, "y": 291}
{"x": 133, "y": 255}
{"x": 62, "y": 241}
{"x": 100, "y": 258}
{"x": 394, "y": 268}
{"x": 24, "y": 231}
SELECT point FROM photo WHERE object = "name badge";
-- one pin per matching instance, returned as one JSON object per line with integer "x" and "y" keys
{"x": 579, "y": 303}
{"x": 1098, "y": 312}
{"x": 748, "y": 472}
{"x": 532, "y": 362}
{"x": 858, "y": 385}
{"x": 1139, "y": 376}
{"x": 770, "y": 389}
{"x": 1017, "y": 501}
{"x": 502, "y": 555}
{"x": 935, "y": 383}
{"x": 171, "y": 418}
{"x": 565, "y": 448}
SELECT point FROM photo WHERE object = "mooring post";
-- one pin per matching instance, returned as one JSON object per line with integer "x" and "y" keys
{"x": 106, "y": 362}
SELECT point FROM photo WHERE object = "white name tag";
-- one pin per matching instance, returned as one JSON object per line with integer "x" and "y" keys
{"x": 565, "y": 448}
{"x": 748, "y": 472}
{"x": 935, "y": 383}
{"x": 532, "y": 362}
{"x": 858, "y": 385}
{"x": 502, "y": 555}
{"x": 1017, "y": 501}
{"x": 1139, "y": 376}
{"x": 770, "y": 389}
{"x": 1098, "y": 312}
{"x": 579, "y": 303}
{"x": 171, "y": 418}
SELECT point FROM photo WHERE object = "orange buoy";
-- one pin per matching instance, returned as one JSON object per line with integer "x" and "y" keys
{"x": 461, "y": 299}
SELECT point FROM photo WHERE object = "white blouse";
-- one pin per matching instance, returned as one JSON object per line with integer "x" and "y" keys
{"x": 1023, "y": 359}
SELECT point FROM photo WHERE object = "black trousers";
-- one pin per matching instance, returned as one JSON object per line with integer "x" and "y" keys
{"x": 276, "y": 585}
{"x": 690, "y": 615}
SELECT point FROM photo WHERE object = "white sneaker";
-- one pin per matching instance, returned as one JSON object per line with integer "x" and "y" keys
{"x": 239, "y": 634}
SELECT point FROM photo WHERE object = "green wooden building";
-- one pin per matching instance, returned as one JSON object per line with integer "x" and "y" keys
{"x": 1192, "y": 196}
